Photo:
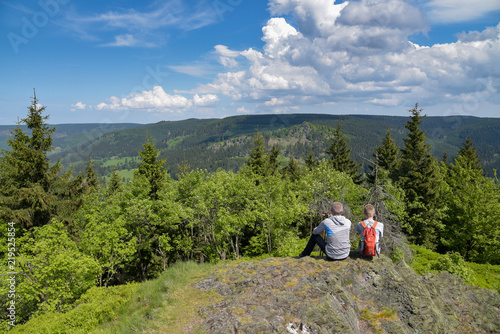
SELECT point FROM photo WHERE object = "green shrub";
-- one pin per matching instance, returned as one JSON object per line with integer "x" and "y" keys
{"x": 454, "y": 264}
{"x": 486, "y": 275}
{"x": 289, "y": 245}
{"x": 397, "y": 254}
{"x": 483, "y": 275}
{"x": 96, "y": 306}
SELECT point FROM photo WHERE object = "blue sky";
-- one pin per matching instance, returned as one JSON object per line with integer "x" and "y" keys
{"x": 148, "y": 61}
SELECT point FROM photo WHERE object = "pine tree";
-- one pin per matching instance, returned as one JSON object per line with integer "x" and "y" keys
{"x": 90, "y": 180}
{"x": 114, "y": 185}
{"x": 341, "y": 155}
{"x": 388, "y": 154}
{"x": 26, "y": 177}
{"x": 420, "y": 178}
{"x": 472, "y": 209}
{"x": 311, "y": 163}
{"x": 292, "y": 170}
{"x": 272, "y": 163}
{"x": 468, "y": 155}
{"x": 152, "y": 168}
{"x": 258, "y": 160}
{"x": 184, "y": 167}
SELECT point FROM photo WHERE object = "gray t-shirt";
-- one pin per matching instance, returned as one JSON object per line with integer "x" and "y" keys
{"x": 380, "y": 233}
{"x": 337, "y": 232}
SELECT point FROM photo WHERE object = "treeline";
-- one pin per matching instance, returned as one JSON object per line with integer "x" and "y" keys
{"x": 72, "y": 233}
{"x": 226, "y": 143}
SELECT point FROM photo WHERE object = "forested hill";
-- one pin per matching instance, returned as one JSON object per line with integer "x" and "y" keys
{"x": 226, "y": 143}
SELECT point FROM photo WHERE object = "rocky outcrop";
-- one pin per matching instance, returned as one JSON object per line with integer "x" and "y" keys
{"x": 312, "y": 295}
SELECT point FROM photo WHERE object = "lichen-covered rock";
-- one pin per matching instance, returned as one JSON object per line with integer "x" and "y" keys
{"x": 312, "y": 295}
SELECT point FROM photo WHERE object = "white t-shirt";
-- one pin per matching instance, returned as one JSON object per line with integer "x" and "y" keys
{"x": 379, "y": 229}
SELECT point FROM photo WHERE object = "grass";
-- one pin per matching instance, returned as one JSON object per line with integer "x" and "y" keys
{"x": 166, "y": 304}
{"x": 172, "y": 143}
{"x": 115, "y": 161}
{"x": 483, "y": 275}
{"x": 124, "y": 174}
{"x": 172, "y": 295}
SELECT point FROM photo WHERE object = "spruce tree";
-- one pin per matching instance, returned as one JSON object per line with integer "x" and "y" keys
{"x": 468, "y": 155}
{"x": 388, "y": 154}
{"x": 90, "y": 181}
{"x": 341, "y": 155}
{"x": 472, "y": 209}
{"x": 114, "y": 184}
{"x": 386, "y": 160}
{"x": 27, "y": 179}
{"x": 152, "y": 168}
{"x": 292, "y": 170}
{"x": 272, "y": 163}
{"x": 257, "y": 162}
{"x": 311, "y": 163}
{"x": 419, "y": 176}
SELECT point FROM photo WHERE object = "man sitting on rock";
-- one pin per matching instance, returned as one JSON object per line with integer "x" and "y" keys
{"x": 337, "y": 227}
{"x": 369, "y": 212}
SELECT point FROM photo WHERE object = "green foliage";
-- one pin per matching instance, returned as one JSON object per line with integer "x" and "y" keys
{"x": 26, "y": 176}
{"x": 32, "y": 192}
{"x": 293, "y": 171}
{"x": 469, "y": 156}
{"x": 421, "y": 180}
{"x": 261, "y": 162}
{"x": 322, "y": 186}
{"x": 103, "y": 234}
{"x": 340, "y": 155}
{"x": 223, "y": 143}
{"x": 257, "y": 162}
{"x": 134, "y": 231}
{"x": 95, "y": 307}
{"x": 152, "y": 168}
{"x": 483, "y": 275}
{"x": 52, "y": 272}
{"x": 387, "y": 157}
{"x": 114, "y": 184}
{"x": 90, "y": 179}
{"x": 397, "y": 254}
{"x": 454, "y": 264}
{"x": 310, "y": 161}
{"x": 472, "y": 210}
{"x": 141, "y": 312}
{"x": 289, "y": 244}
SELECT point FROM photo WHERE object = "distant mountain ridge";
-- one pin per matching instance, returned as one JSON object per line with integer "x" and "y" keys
{"x": 225, "y": 143}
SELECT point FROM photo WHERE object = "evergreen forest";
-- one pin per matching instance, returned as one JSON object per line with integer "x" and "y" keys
{"x": 71, "y": 229}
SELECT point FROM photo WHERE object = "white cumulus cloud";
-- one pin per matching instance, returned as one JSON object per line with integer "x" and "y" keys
{"x": 78, "y": 106}
{"x": 227, "y": 56}
{"x": 452, "y": 11}
{"x": 158, "y": 100}
{"x": 320, "y": 52}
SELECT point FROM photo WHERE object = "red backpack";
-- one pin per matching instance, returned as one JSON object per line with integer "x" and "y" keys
{"x": 370, "y": 236}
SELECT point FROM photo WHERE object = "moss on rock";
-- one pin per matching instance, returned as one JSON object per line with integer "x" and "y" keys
{"x": 311, "y": 295}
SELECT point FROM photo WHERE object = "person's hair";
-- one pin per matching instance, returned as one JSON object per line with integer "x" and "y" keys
{"x": 369, "y": 210}
{"x": 337, "y": 208}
